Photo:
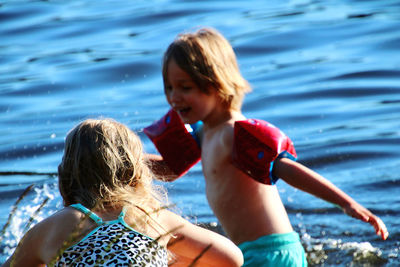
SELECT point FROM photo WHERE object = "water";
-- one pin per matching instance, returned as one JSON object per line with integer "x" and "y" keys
{"x": 326, "y": 72}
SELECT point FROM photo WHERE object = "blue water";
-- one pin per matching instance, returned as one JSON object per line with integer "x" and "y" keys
{"x": 326, "y": 72}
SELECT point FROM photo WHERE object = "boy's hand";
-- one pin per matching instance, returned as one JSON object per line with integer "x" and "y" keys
{"x": 359, "y": 212}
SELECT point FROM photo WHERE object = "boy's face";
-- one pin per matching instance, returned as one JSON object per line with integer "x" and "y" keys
{"x": 185, "y": 96}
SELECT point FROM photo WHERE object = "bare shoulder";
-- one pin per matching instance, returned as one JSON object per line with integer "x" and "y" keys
{"x": 169, "y": 219}
{"x": 64, "y": 218}
{"x": 59, "y": 228}
{"x": 175, "y": 224}
{"x": 63, "y": 229}
{"x": 227, "y": 129}
{"x": 42, "y": 242}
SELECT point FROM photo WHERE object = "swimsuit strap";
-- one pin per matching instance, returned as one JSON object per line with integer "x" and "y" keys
{"x": 86, "y": 211}
{"x": 122, "y": 214}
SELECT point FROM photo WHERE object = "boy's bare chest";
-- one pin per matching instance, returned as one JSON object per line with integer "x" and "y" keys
{"x": 215, "y": 154}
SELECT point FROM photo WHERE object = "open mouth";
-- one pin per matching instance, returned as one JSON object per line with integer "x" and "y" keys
{"x": 184, "y": 111}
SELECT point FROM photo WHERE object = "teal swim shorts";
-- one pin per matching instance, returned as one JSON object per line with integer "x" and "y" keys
{"x": 274, "y": 250}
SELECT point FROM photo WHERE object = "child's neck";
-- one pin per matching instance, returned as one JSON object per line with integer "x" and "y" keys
{"x": 221, "y": 117}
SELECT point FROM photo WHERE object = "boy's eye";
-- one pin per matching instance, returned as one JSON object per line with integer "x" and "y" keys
{"x": 168, "y": 88}
{"x": 186, "y": 88}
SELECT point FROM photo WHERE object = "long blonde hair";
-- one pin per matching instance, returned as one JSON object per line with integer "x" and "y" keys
{"x": 103, "y": 166}
{"x": 210, "y": 61}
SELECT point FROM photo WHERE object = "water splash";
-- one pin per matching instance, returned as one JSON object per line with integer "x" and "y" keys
{"x": 335, "y": 252}
{"x": 34, "y": 204}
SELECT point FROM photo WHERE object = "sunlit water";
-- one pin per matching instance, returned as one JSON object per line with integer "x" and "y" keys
{"x": 326, "y": 72}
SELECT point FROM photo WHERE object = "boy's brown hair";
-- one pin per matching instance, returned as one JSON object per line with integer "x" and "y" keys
{"x": 210, "y": 61}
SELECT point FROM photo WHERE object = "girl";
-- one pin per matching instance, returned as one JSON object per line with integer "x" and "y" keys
{"x": 113, "y": 213}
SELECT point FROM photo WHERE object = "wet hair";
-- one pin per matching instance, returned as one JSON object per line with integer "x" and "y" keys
{"x": 208, "y": 58}
{"x": 104, "y": 166}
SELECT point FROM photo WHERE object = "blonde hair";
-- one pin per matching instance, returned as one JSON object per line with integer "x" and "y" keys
{"x": 104, "y": 166}
{"x": 209, "y": 60}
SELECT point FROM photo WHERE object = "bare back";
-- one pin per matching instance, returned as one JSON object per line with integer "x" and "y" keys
{"x": 246, "y": 209}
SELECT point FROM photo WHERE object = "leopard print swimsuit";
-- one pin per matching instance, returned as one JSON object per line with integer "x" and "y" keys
{"x": 113, "y": 243}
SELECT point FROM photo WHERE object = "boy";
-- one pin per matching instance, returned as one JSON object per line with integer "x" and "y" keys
{"x": 202, "y": 82}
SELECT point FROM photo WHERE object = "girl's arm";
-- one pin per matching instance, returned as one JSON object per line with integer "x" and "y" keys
{"x": 25, "y": 255}
{"x": 194, "y": 244}
{"x": 301, "y": 177}
{"x": 28, "y": 251}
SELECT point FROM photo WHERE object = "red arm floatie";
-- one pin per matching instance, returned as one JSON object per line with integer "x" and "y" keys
{"x": 257, "y": 144}
{"x": 175, "y": 144}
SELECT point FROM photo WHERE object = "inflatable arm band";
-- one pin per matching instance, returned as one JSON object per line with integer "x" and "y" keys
{"x": 257, "y": 144}
{"x": 174, "y": 142}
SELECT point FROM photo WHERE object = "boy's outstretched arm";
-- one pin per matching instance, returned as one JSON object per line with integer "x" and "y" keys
{"x": 301, "y": 177}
